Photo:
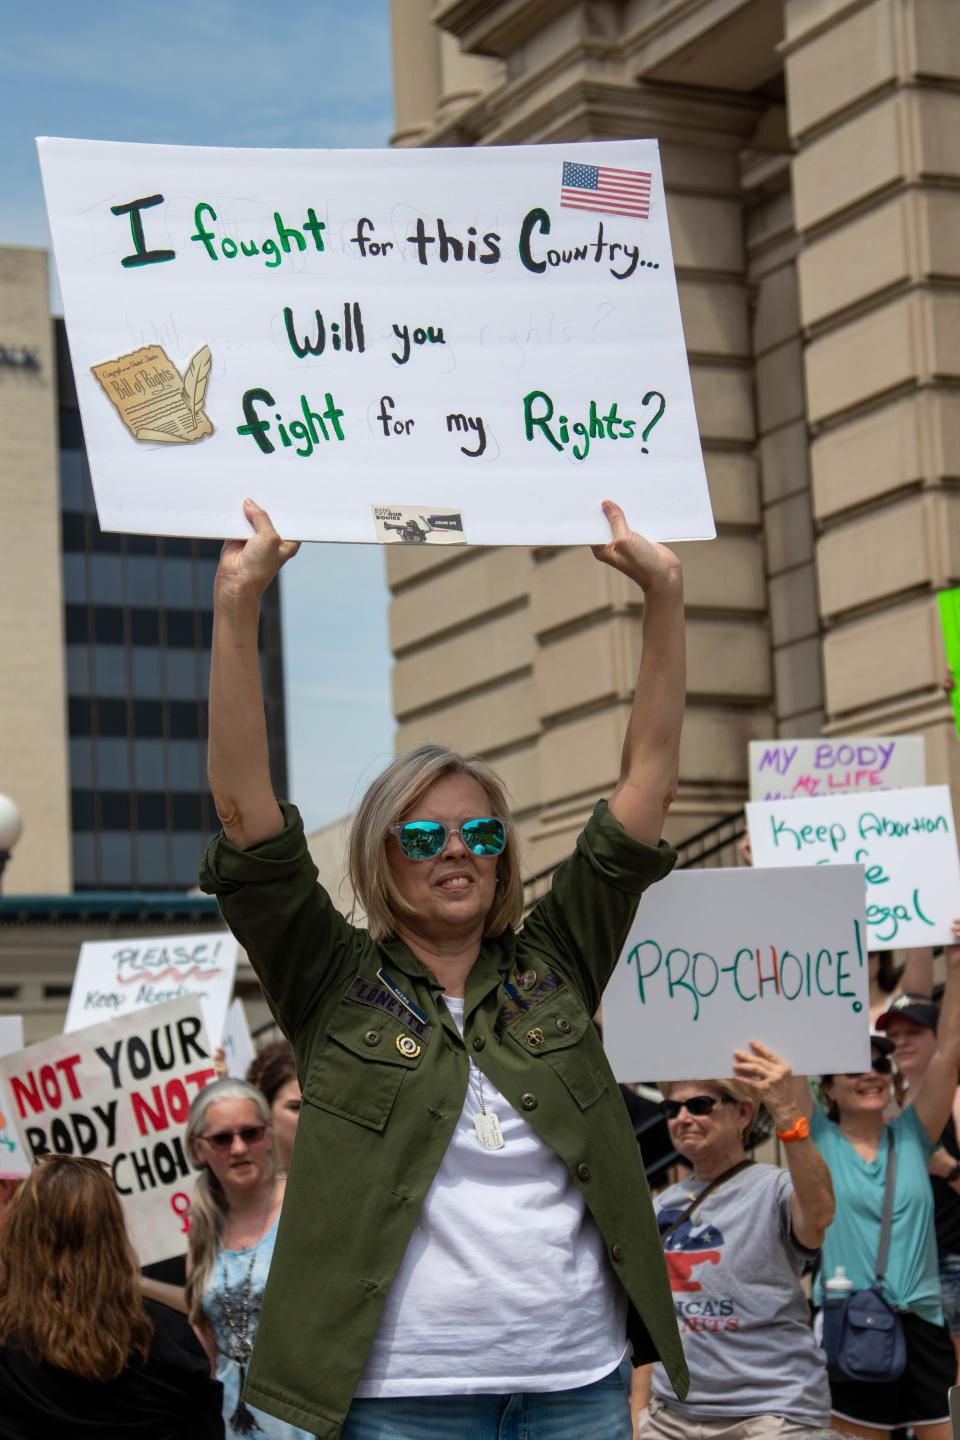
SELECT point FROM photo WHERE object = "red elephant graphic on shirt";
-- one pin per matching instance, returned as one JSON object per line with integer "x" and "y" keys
{"x": 686, "y": 1248}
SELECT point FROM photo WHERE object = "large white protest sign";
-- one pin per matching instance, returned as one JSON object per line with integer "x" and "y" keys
{"x": 121, "y": 1093}
{"x": 115, "y": 977}
{"x": 407, "y": 346}
{"x": 905, "y": 840}
{"x": 717, "y": 958}
{"x": 806, "y": 769}
{"x": 14, "y": 1162}
{"x": 238, "y": 1048}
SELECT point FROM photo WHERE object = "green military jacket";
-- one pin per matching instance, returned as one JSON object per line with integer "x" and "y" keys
{"x": 383, "y": 1069}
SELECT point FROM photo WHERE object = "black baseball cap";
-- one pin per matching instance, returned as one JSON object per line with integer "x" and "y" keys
{"x": 921, "y": 1009}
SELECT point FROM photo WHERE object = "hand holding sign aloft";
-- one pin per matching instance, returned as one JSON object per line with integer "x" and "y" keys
{"x": 238, "y": 759}
{"x": 650, "y": 761}
{"x": 787, "y": 1098}
{"x": 249, "y": 566}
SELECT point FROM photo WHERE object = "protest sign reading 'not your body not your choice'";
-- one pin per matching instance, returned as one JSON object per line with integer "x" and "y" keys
{"x": 410, "y": 346}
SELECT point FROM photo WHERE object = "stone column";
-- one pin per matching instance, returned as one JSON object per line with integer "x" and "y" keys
{"x": 794, "y": 618}
{"x": 874, "y": 113}
{"x": 463, "y": 78}
{"x": 33, "y": 708}
{"x": 416, "y": 70}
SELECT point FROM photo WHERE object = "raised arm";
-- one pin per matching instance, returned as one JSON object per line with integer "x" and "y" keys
{"x": 649, "y": 763}
{"x": 938, "y": 1090}
{"x": 238, "y": 763}
{"x": 787, "y": 1098}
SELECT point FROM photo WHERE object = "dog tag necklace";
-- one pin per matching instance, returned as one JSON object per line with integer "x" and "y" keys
{"x": 486, "y": 1124}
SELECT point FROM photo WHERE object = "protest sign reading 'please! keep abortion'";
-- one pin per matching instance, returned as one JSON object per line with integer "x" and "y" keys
{"x": 408, "y": 346}
{"x": 716, "y": 958}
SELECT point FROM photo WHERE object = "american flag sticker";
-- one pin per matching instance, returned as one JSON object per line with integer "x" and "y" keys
{"x": 605, "y": 190}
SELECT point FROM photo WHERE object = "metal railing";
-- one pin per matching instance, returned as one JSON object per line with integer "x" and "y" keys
{"x": 716, "y": 845}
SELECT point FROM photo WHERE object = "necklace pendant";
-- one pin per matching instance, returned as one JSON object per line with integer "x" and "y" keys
{"x": 488, "y": 1130}
{"x": 241, "y": 1350}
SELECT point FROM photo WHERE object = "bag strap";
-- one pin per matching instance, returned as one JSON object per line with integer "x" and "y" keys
{"x": 707, "y": 1190}
{"x": 886, "y": 1223}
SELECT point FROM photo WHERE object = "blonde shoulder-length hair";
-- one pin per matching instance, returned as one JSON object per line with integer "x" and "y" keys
{"x": 393, "y": 794}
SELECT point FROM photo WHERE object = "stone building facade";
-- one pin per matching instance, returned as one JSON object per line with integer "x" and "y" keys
{"x": 811, "y": 159}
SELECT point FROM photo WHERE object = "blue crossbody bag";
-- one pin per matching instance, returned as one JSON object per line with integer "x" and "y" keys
{"x": 862, "y": 1335}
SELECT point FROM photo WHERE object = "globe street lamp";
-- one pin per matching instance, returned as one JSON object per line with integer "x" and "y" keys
{"x": 11, "y": 827}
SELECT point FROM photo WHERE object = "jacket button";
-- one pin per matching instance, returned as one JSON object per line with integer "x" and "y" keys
{"x": 528, "y": 1101}
{"x": 478, "y": 1042}
{"x": 617, "y": 1253}
{"x": 564, "y": 1026}
{"x": 372, "y": 1037}
{"x": 583, "y": 1172}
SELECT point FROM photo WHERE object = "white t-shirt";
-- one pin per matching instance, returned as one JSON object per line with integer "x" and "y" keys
{"x": 505, "y": 1286}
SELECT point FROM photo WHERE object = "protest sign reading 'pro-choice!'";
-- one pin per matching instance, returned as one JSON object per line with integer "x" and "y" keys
{"x": 716, "y": 958}
{"x": 904, "y": 839}
{"x": 121, "y": 1093}
{"x": 410, "y": 346}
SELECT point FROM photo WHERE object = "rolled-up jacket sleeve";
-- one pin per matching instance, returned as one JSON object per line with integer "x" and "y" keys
{"x": 586, "y": 916}
{"x": 298, "y": 942}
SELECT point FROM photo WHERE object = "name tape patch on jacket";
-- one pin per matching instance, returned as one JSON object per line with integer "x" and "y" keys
{"x": 379, "y": 997}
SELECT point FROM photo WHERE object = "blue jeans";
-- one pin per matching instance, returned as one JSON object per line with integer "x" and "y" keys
{"x": 592, "y": 1412}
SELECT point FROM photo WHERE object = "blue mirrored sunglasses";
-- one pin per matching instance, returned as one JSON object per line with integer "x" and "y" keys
{"x": 425, "y": 839}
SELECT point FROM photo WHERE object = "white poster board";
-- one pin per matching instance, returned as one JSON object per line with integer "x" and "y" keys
{"x": 14, "y": 1163}
{"x": 238, "y": 1048}
{"x": 809, "y": 769}
{"x": 905, "y": 840}
{"x": 404, "y": 346}
{"x": 116, "y": 977}
{"x": 121, "y": 1092}
{"x": 717, "y": 958}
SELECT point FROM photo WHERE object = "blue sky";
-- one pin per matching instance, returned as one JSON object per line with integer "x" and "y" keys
{"x": 231, "y": 72}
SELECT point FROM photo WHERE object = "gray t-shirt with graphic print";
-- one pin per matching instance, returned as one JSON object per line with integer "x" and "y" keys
{"x": 735, "y": 1270}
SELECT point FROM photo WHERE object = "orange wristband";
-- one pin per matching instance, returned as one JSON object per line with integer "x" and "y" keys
{"x": 799, "y": 1131}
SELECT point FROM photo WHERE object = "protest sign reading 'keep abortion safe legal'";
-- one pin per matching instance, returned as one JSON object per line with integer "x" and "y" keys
{"x": 121, "y": 1093}
{"x": 904, "y": 839}
{"x": 716, "y": 958}
{"x": 808, "y": 769}
{"x": 409, "y": 346}
{"x": 115, "y": 977}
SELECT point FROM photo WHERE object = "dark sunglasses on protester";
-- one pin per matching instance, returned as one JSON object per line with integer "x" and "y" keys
{"x": 223, "y": 1139}
{"x": 880, "y": 1065}
{"x": 425, "y": 839}
{"x": 697, "y": 1105}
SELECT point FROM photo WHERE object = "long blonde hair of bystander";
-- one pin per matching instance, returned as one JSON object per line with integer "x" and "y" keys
{"x": 208, "y": 1210}
{"x": 69, "y": 1279}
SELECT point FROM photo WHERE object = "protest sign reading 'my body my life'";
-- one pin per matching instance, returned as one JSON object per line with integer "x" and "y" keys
{"x": 716, "y": 958}
{"x": 121, "y": 1092}
{"x": 904, "y": 839}
{"x": 806, "y": 769}
{"x": 413, "y": 345}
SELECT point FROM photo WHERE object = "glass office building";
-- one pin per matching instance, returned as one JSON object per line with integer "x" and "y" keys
{"x": 138, "y": 623}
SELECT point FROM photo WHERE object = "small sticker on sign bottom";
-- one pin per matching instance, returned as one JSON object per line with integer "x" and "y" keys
{"x": 417, "y": 525}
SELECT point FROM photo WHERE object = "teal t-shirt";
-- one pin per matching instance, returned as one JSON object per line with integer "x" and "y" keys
{"x": 912, "y": 1281}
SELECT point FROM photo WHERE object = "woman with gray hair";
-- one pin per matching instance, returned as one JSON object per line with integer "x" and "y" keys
{"x": 233, "y": 1229}
{"x": 738, "y": 1236}
{"x": 467, "y": 1246}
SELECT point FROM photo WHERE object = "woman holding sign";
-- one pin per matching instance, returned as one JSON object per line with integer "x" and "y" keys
{"x": 737, "y": 1238}
{"x": 467, "y": 1242}
{"x": 859, "y": 1146}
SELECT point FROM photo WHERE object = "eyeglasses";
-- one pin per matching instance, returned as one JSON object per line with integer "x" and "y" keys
{"x": 880, "y": 1065}
{"x": 696, "y": 1105}
{"x": 223, "y": 1139}
{"x": 425, "y": 839}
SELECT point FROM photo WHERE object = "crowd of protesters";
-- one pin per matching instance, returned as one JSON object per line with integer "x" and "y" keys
{"x": 454, "y": 1236}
